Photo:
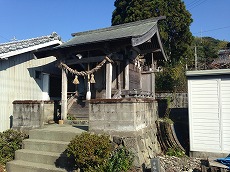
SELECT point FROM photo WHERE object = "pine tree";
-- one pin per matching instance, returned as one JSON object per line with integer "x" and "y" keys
{"x": 174, "y": 30}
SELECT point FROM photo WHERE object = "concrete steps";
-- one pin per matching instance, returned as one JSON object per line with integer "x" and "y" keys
{"x": 40, "y": 156}
{"x": 58, "y": 134}
{"x": 24, "y": 166}
{"x": 44, "y": 150}
{"x": 79, "y": 109}
{"x": 45, "y": 145}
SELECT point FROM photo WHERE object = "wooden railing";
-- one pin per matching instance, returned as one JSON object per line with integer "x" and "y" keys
{"x": 71, "y": 97}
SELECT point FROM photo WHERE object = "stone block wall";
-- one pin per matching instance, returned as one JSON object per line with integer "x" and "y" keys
{"x": 129, "y": 120}
{"x": 122, "y": 114}
{"x": 32, "y": 114}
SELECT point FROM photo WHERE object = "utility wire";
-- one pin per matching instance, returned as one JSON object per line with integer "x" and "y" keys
{"x": 195, "y": 4}
{"x": 192, "y": 3}
{"x": 211, "y": 30}
{"x": 198, "y": 4}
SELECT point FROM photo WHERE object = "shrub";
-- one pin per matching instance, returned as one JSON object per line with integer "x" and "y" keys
{"x": 89, "y": 151}
{"x": 175, "y": 152}
{"x": 121, "y": 160}
{"x": 10, "y": 141}
{"x": 93, "y": 152}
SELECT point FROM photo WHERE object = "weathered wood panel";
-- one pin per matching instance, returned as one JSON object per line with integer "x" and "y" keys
{"x": 146, "y": 82}
{"x": 134, "y": 77}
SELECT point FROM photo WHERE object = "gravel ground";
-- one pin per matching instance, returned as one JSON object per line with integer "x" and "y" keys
{"x": 184, "y": 164}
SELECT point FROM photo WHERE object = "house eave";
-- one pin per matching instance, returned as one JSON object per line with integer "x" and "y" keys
{"x": 90, "y": 43}
{"x": 5, "y": 56}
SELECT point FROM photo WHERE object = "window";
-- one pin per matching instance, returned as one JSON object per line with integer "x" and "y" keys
{"x": 38, "y": 74}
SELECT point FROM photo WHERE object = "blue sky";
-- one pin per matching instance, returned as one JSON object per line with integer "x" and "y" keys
{"x": 210, "y": 18}
{"x": 25, "y": 19}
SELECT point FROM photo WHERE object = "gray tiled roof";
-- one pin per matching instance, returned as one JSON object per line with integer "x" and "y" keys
{"x": 128, "y": 30}
{"x": 17, "y": 45}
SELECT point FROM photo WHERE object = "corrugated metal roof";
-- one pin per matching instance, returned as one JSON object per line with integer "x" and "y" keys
{"x": 18, "y": 45}
{"x": 128, "y": 30}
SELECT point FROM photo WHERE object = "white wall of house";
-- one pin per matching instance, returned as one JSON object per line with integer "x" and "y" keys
{"x": 209, "y": 110}
{"x": 18, "y": 82}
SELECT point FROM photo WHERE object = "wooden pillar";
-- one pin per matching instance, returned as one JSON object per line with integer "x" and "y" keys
{"x": 153, "y": 85}
{"x": 141, "y": 78}
{"x": 127, "y": 75}
{"x": 153, "y": 80}
{"x": 109, "y": 74}
{"x": 119, "y": 78}
{"x": 64, "y": 96}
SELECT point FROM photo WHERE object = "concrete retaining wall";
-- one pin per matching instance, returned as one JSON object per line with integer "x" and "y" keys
{"x": 206, "y": 155}
{"x": 32, "y": 114}
{"x": 130, "y": 121}
{"x": 177, "y": 100}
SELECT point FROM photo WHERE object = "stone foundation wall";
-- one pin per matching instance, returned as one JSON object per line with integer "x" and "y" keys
{"x": 129, "y": 121}
{"x": 32, "y": 114}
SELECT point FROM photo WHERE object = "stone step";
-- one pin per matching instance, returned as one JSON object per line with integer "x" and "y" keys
{"x": 44, "y": 151}
{"x": 45, "y": 145}
{"x": 25, "y": 166}
{"x": 54, "y": 133}
{"x": 79, "y": 110}
{"x": 51, "y": 158}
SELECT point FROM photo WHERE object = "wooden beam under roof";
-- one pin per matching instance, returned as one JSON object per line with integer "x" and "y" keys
{"x": 93, "y": 59}
{"x": 154, "y": 50}
{"x": 85, "y": 60}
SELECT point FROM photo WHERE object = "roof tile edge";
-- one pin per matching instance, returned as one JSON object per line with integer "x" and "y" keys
{"x": 53, "y": 35}
{"x": 152, "y": 19}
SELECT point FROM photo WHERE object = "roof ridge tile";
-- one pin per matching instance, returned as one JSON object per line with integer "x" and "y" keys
{"x": 16, "y": 45}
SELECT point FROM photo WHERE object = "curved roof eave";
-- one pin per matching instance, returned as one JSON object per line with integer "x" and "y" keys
{"x": 135, "y": 33}
{"x": 138, "y": 40}
{"x": 161, "y": 46}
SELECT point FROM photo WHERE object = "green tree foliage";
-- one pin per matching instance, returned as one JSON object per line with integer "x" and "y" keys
{"x": 228, "y": 45}
{"x": 174, "y": 31}
{"x": 172, "y": 79}
{"x": 207, "y": 49}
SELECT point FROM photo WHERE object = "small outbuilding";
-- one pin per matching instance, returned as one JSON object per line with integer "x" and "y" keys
{"x": 209, "y": 112}
{"x": 24, "y": 77}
